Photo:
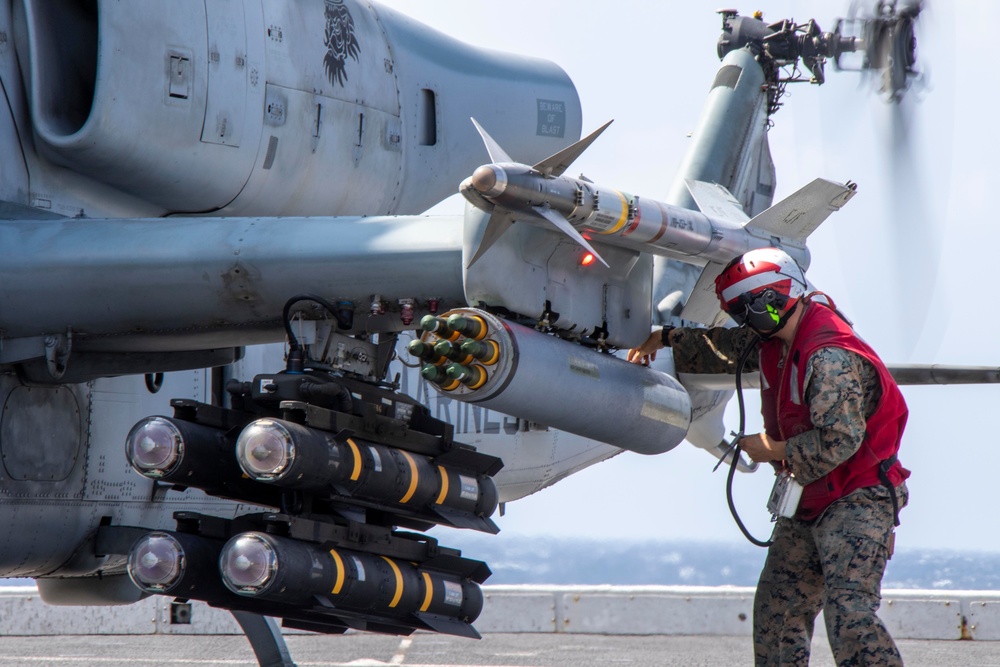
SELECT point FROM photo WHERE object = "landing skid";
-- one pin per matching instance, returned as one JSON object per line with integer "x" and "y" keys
{"x": 266, "y": 639}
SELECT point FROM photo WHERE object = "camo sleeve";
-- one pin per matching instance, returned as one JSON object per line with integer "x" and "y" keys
{"x": 715, "y": 350}
{"x": 842, "y": 390}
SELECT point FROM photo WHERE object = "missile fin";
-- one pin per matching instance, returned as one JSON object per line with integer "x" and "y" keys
{"x": 703, "y": 305}
{"x": 798, "y": 215}
{"x": 555, "y": 165}
{"x": 448, "y": 626}
{"x": 464, "y": 520}
{"x": 563, "y": 225}
{"x": 497, "y": 154}
{"x": 716, "y": 201}
{"x": 500, "y": 221}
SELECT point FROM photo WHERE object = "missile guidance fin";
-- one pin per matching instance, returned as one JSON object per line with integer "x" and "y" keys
{"x": 500, "y": 221}
{"x": 497, "y": 154}
{"x": 555, "y": 165}
{"x": 563, "y": 225}
{"x": 716, "y": 201}
{"x": 798, "y": 215}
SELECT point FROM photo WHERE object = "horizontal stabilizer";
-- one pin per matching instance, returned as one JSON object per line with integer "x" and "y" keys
{"x": 703, "y": 305}
{"x": 910, "y": 374}
{"x": 798, "y": 215}
{"x": 716, "y": 201}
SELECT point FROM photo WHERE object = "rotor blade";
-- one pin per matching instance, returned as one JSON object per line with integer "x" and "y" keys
{"x": 497, "y": 154}
{"x": 555, "y": 165}
{"x": 917, "y": 231}
{"x": 563, "y": 225}
{"x": 500, "y": 221}
{"x": 910, "y": 374}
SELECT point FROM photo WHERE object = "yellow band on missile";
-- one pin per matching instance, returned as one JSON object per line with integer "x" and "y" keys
{"x": 339, "y": 584}
{"x": 414, "y": 477}
{"x": 399, "y": 581}
{"x": 444, "y": 486}
{"x": 356, "y": 472}
{"x": 624, "y": 216}
{"x": 429, "y": 594}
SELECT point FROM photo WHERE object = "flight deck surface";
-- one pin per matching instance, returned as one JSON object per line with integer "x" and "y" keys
{"x": 428, "y": 650}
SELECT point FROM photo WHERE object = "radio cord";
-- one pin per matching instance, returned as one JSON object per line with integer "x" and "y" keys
{"x": 736, "y": 450}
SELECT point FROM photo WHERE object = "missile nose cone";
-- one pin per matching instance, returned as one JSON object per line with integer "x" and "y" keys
{"x": 489, "y": 180}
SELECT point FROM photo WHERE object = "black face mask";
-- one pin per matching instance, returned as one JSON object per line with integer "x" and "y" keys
{"x": 762, "y": 312}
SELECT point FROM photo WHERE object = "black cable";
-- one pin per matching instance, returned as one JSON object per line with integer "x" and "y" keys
{"x": 744, "y": 356}
{"x": 296, "y": 359}
{"x": 293, "y": 342}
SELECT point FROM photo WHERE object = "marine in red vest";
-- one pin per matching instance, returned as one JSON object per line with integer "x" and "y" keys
{"x": 834, "y": 417}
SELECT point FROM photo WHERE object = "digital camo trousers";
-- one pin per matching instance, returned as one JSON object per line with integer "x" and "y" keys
{"x": 835, "y": 564}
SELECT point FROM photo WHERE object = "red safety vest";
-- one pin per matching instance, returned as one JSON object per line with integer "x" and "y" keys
{"x": 786, "y": 413}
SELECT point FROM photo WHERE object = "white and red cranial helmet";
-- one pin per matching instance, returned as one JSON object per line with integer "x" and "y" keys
{"x": 756, "y": 286}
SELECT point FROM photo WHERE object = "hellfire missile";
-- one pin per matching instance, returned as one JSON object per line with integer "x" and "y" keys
{"x": 541, "y": 195}
{"x": 292, "y": 456}
{"x": 446, "y": 598}
{"x": 169, "y": 563}
{"x": 286, "y": 577}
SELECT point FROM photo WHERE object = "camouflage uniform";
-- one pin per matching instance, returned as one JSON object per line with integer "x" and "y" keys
{"x": 836, "y": 562}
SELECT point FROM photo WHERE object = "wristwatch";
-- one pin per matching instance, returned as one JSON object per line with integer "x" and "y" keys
{"x": 665, "y": 335}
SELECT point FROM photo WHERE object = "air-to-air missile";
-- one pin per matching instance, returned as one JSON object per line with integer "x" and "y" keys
{"x": 541, "y": 195}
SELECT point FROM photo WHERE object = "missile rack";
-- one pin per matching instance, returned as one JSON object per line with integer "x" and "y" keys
{"x": 350, "y": 468}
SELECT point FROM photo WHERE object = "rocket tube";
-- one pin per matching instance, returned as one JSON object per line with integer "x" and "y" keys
{"x": 538, "y": 375}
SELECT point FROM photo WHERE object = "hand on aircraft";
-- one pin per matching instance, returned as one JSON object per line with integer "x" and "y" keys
{"x": 646, "y": 352}
{"x": 760, "y": 448}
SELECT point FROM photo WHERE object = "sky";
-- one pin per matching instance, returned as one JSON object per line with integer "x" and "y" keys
{"x": 911, "y": 259}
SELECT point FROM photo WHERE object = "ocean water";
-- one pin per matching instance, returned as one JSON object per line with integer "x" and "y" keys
{"x": 541, "y": 560}
{"x": 526, "y": 560}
